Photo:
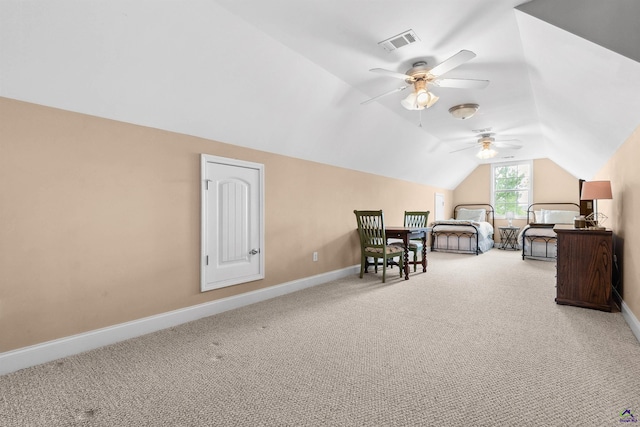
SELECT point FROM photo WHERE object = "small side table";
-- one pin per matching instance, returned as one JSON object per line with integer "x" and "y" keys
{"x": 509, "y": 237}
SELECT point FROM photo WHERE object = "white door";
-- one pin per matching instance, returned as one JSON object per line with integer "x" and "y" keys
{"x": 439, "y": 206}
{"x": 232, "y": 222}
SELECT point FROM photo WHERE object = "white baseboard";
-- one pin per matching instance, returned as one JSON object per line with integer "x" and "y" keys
{"x": 25, "y": 357}
{"x": 631, "y": 320}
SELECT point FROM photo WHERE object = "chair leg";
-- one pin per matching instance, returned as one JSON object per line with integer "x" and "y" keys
{"x": 415, "y": 260}
{"x": 363, "y": 261}
{"x": 384, "y": 269}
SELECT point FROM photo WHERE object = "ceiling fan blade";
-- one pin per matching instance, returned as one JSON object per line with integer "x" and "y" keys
{"x": 512, "y": 143}
{"x": 384, "y": 94}
{"x": 461, "y": 83}
{"x": 453, "y": 62}
{"x": 391, "y": 73}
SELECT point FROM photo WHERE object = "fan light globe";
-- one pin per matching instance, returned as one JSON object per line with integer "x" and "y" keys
{"x": 410, "y": 102}
{"x": 427, "y": 99}
{"x": 419, "y": 100}
{"x": 422, "y": 97}
{"x": 486, "y": 153}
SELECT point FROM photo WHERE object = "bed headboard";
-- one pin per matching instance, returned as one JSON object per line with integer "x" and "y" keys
{"x": 553, "y": 206}
{"x": 489, "y": 213}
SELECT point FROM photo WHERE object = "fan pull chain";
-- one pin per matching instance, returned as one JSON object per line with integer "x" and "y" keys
{"x": 420, "y": 115}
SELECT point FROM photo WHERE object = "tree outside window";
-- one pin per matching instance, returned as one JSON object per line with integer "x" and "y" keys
{"x": 512, "y": 188}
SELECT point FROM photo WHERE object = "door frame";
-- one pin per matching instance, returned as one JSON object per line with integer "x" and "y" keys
{"x": 204, "y": 160}
{"x": 438, "y": 213}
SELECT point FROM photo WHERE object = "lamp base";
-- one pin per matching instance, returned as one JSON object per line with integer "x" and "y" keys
{"x": 594, "y": 221}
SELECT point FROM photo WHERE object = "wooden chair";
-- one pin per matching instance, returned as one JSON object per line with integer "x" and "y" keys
{"x": 416, "y": 219}
{"x": 373, "y": 242}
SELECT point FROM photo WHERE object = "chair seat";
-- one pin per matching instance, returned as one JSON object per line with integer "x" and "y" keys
{"x": 415, "y": 244}
{"x": 390, "y": 249}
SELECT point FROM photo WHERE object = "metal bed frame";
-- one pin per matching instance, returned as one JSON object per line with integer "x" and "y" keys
{"x": 462, "y": 234}
{"x": 532, "y": 226}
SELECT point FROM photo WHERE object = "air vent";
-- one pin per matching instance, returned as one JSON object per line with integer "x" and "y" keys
{"x": 396, "y": 42}
{"x": 484, "y": 130}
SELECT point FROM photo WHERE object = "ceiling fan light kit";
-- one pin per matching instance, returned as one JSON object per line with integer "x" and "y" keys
{"x": 419, "y": 100}
{"x": 486, "y": 152}
{"x": 463, "y": 111}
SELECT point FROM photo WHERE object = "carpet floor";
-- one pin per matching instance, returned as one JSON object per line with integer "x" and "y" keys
{"x": 477, "y": 340}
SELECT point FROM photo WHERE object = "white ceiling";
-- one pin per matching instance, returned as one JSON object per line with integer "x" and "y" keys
{"x": 289, "y": 77}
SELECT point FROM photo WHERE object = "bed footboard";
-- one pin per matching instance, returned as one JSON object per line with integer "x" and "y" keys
{"x": 538, "y": 239}
{"x": 530, "y": 240}
{"x": 467, "y": 233}
{"x": 462, "y": 241}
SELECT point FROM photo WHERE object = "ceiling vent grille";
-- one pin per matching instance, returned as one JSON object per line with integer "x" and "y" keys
{"x": 484, "y": 130}
{"x": 396, "y": 42}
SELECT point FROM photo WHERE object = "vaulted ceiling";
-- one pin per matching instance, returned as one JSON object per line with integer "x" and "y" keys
{"x": 291, "y": 76}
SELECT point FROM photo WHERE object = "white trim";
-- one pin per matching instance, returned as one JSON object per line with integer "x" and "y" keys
{"x": 493, "y": 184}
{"x": 25, "y": 357}
{"x": 631, "y": 320}
{"x": 438, "y": 212}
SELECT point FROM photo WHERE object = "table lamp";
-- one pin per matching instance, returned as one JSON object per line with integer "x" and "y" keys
{"x": 509, "y": 215}
{"x": 596, "y": 190}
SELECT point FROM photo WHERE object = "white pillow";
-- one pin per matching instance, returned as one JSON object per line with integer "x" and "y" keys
{"x": 477, "y": 215}
{"x": 538, "y": 217}
{"x": 559, "y": 217}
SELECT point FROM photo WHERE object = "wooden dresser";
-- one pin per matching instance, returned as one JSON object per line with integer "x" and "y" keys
{"x": 584, "y": 268}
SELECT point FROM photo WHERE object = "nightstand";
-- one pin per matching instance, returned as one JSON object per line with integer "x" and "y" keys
{"x": 509, "y": 237}
{"x": 584, "y": 268}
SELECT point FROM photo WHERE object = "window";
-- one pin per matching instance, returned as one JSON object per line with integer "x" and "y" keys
{"x": 512, "y": 188}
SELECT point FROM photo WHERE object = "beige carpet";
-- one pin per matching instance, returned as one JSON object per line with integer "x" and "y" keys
{"x": 476, "y": 341}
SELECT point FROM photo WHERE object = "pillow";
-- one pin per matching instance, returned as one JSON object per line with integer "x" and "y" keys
{"x": 538, "y": 217}
{"x": 477, "y": 215}
{"x": 559, "y": 217}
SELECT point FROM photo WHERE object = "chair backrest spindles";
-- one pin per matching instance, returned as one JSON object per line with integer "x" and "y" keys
{"x": 371, "y": 227}
{"x": 416, "y": 218}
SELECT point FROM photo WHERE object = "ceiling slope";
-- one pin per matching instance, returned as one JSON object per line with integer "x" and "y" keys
{"x": 611, "y": 24}
{"x": 289, "y": 77}
{"x": 585, "y": 124}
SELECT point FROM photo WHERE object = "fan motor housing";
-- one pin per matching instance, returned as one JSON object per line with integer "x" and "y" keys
{"x": 418, "y": 71}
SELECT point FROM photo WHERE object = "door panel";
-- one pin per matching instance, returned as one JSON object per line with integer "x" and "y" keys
{"x": 232, "y": 229}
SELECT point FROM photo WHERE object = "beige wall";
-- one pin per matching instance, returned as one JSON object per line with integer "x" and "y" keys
{"x": 551, "y": 183}
{"x": 100, "y": 220}
{"x": 622, "y": 170}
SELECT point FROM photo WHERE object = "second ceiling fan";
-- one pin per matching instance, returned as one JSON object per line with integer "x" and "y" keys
{"x": 486, "y": 142}
{"x": 420, "y": 76}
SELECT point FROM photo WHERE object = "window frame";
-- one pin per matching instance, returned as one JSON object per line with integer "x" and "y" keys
{"x": 494, "y": 166}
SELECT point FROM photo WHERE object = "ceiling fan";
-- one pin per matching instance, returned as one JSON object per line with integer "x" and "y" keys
{"x": 486, "y": 142}
{"x": 420, "y": 76}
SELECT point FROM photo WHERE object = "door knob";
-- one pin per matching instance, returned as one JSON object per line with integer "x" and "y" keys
{"x": 254, "y": 251}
